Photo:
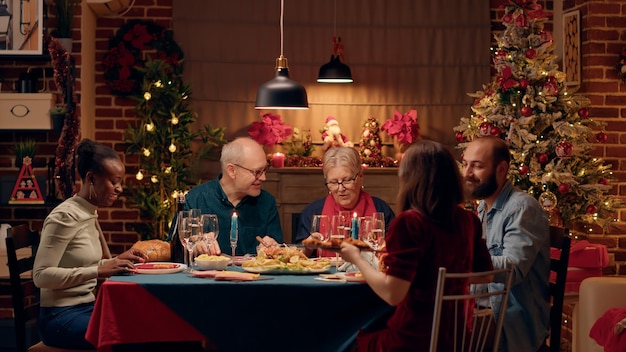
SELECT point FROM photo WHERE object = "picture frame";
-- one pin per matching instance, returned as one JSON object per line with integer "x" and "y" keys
{"x": 571, "y": 48}
{"x": 22, "y": 30}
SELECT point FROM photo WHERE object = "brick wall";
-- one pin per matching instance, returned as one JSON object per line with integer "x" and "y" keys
{"x": 603, "y": 35}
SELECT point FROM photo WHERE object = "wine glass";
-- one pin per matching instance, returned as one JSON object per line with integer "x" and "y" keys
{"x": 375, "y": 233}
{"x": 365, "y": 224}
{"x": 210, "y": 228}
{"x": 380, "y": 216}
{"x": 322, "y": 226}
{"x": 344, "y": 227}
{"x": 190, "y": 235}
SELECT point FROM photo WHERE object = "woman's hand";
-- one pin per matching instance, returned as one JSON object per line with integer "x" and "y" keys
{"x": 619, "y": 327}
{"x": 115, "y": 265}
{"x": 350, "y": 253}
{"x": 134, "y": 255}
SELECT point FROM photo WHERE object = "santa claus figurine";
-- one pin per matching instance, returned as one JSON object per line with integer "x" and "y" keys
{"x": 332, "y": 135}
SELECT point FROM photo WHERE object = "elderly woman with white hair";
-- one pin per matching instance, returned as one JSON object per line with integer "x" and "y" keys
{"x": 343, "y": 175}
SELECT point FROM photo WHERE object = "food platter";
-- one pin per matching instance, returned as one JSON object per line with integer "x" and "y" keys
{"x": 334, "y": 248}
{"x": 285, "y": 271}
{"x": 159, "y": 268}
{"x": 335, "y": 244}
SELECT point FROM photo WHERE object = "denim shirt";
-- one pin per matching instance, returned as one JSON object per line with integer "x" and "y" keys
{"x": 517, "y": 232}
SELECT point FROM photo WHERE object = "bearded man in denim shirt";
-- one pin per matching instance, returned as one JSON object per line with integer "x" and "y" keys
{"x": 516, "y": 230}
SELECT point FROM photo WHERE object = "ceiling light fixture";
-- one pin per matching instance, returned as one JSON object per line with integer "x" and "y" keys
{"x": 335, "y": 71}
{"x": 281, "y": 92}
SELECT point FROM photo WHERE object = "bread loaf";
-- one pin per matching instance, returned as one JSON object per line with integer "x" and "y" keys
{"x": 156, "y": 250}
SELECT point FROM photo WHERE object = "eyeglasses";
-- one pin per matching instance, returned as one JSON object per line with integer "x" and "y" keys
{"x": 347, "y": 184}
{"x": 256, "y": 173}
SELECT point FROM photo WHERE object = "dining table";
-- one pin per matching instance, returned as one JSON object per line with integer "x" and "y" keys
{"x": 288, "y": 312}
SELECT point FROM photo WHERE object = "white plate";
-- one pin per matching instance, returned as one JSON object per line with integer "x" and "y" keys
{"x": 153, "y": 268}
{"x": 351, "y": 276}
{"x": 274, "y": 271}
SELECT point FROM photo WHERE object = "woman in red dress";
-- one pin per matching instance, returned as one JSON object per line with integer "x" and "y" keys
{"x": 431, "y": 231}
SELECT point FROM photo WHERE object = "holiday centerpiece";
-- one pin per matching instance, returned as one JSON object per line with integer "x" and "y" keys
{"x": 404, "y": 130}
{"x": 547, "y": 128}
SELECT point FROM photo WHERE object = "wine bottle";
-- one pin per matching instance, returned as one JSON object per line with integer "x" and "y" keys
{"x": 176, "y": 247}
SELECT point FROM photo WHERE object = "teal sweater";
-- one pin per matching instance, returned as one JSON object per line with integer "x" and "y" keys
{"x": 258, "y": 216}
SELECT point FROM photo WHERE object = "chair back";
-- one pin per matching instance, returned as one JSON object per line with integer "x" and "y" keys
{"x": 475, "y": 319}
{"x": 559, "y": 238}
{"x": 19, "y": 237}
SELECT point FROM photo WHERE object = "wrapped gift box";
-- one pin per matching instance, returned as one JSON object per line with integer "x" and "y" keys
{"x": 585, "y": 260}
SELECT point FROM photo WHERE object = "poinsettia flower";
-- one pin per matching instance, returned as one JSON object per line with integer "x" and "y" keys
{"x": 270, "y": 131}
{"x": 138, "y": 37}
{"x": 404, "y": 127}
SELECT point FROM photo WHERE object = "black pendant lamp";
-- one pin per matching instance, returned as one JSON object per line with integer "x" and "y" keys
{"x": 335, "y": 71}
{"x": 281, "y": 92}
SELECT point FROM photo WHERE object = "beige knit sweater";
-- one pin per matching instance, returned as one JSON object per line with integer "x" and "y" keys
{"x": 66, "y": 264}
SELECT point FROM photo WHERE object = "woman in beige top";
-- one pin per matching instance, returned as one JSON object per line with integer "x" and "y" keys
{"x": 69, "y": 260}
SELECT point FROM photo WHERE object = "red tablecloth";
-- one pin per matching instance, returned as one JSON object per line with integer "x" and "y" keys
{"x": 115, "y": 323}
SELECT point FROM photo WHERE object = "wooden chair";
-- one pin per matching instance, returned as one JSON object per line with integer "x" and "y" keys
{"x": 559, "y": 238}
{"x": 464, "y": 308}
{"x": 19, "y": 237}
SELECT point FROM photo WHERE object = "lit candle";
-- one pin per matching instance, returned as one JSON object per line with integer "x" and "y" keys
{"x": 234, "y": 224}
{"x": 278, "y": 160}
{"x": 355, "y": 227}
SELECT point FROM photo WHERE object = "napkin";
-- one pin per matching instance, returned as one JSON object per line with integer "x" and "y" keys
{"x": 224, "y": 275}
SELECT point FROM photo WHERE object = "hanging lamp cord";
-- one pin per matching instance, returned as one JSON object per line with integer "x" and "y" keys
{"x": 282, "y": 14}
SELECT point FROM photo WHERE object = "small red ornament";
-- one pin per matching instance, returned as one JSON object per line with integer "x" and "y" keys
{"x": 564, "y": 188}
{"x": 523, "y": 170}
{"x": 542, "y": 158}
{"x": 485, "y": 129}
{"x": 592, "y": 209}
{"x": 460, "y": 137}
{"x": 526, "y": 111}
{"x": 523, "y": 83}
{"x": 531, "y": 53}
{"x": 601, "y": 137}
{"x": 564, "y": 149}
{"x": 583, "y": 112}
{"x": 495, "y": 131}
{"x": 603, "y": 181}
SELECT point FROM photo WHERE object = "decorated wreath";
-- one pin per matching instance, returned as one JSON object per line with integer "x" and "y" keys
{"x": 125, "y": 60}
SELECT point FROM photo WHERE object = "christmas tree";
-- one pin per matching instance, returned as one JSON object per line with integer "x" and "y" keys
{"x": 547, "y": 127}
{"x": 370, "y": 143}
{"x": 163, "y": 143}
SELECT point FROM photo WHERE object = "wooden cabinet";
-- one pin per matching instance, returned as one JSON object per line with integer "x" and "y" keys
{"x": 295, "y": 187}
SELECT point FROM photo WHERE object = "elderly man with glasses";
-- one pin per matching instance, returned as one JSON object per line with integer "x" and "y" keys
{"x": 344, "y": 179}
{"x": 238, "y": 188}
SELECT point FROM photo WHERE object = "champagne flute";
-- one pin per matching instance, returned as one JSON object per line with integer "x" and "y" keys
{"x": 181, "y": 228}
{"x": 321, "y": 225}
